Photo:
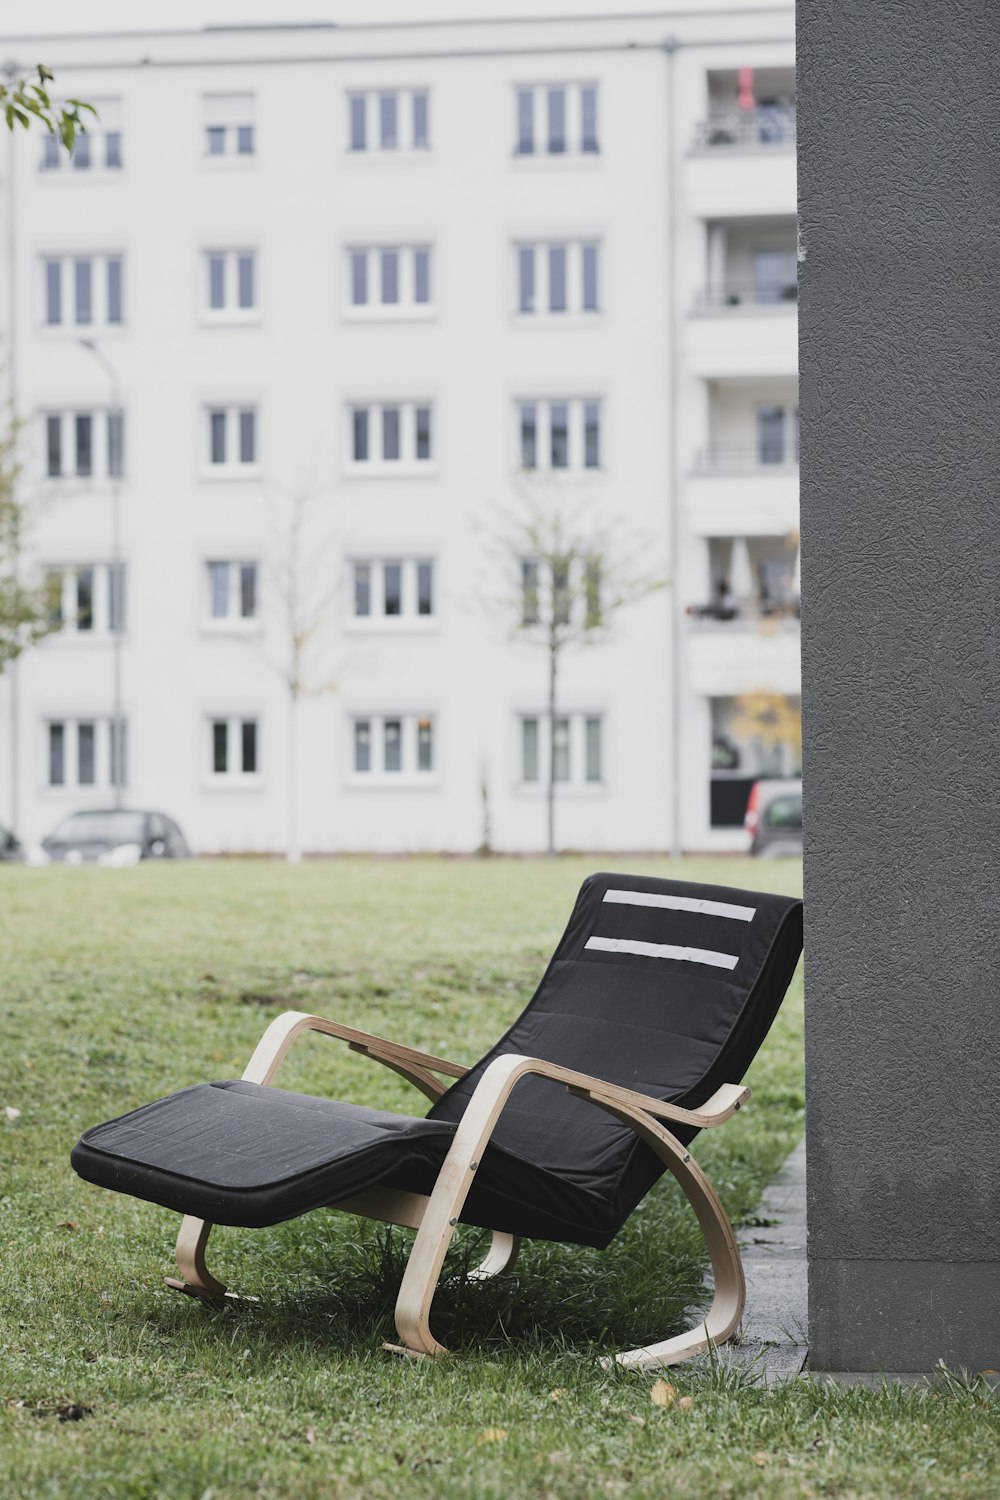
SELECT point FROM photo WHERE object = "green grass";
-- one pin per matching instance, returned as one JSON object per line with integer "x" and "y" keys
{"x": 121, "y": 985}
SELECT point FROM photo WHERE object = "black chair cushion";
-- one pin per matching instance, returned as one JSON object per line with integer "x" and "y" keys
{"x": 239, "y": 1153}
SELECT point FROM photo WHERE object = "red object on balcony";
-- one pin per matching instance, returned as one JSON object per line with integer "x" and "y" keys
{"x": 746, "y": 88}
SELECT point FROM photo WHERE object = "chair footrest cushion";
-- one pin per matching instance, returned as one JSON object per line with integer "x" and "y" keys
{"x": 240, "y": 1153}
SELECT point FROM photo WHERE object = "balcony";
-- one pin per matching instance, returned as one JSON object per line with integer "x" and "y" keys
{"x": 750, "y": 652}
{"x": 736, "y": 297}
{"x": 738, "y": 328}
{"x": 765, "y": 127}
{"x": 733, "y": 490}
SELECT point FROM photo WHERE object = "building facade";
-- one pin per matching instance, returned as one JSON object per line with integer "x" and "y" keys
{"x": 309, "y": 322}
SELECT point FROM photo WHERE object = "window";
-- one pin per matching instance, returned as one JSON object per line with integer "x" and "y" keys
{"x": 234, "y": 749}
{"x": 389, "y": 120}
{"x": 98, "y": 146}
{"x": 389, "y": 279}
{"x": 564, "y": 592}
{"x": 563, "y": 436}
{"x": 574, "y": 749}
{"x": 558, "y": 278}
{"x": 85, "y": 752}
{"x": 230, "y": 283}
{"x": 86, "y": 599}
{"x": 775, "y": 276}
{"x": 390, "y": 435}
{"x": 84, "y": 444}
{"x": 232, "y": 592}
{"x": 393, "y": 747}
{"x": 777, "y": 434}
{"x": 556, "y": 119}
{"x": 83, "y": 291}
{"x": 229, "y": 127}
{"x": 232, "y": 438}
{"x": 392, "y": 589}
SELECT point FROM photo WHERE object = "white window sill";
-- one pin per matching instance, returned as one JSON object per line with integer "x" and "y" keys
{"x": 402, "y": 469}
{"x": 230, "y": 317}
{"x": 392, "y": 312}
{"x": 536, "y": 791}
{"x": 231, "y": 627}
{"x": 547, "y": 160}
{"x": 233, "y": 782}
{"x": 230, "y": 161}
{"x": 70, "y": 793}
{"x": 77, "y": 331}
{"x": 394, "y": 625}
{"x": 393, "y": 781}
{"x": 223, "y": 472}
{"x": 546, "y": 476}
{"x": 76, "y": 640}
{"x": 548, "y": 319}
{"x": 73, "y": 174}
{"x": 397, "y": 156}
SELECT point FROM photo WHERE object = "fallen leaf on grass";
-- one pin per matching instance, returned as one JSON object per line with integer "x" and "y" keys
{"x": 639, "y": 1421}
{"x": 761, "y": 1459}
{"x": 310, "y": 1435}
{"x": 12, "y": 1113}
{"x": 685, "y": 1403}
{"x": 491, "y": 1435}
{"x": 558, "y": 1393}
{"x": 66, "y": 1411}
{"x": 68, "y": 1224}
{"x": 663, "y": 1393}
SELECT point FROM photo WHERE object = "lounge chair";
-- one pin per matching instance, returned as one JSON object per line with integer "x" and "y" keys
{"x": 645, "y": 1021}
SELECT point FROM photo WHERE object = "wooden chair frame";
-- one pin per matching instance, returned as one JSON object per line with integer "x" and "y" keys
{"x": 435, "y": 1216}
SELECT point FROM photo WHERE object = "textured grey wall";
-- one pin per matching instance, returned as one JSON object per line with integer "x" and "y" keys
{"x": 899, "y": 201}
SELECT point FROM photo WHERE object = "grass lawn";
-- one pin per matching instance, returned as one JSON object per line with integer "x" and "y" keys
{"x": 118, "y": 986}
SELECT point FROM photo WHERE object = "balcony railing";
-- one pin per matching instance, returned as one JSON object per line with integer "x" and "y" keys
{"x": 730, "y": 296}
{"x": 742, "y": 458}
{"x": 764, "y": 128}
{"x": 773, "y": 617}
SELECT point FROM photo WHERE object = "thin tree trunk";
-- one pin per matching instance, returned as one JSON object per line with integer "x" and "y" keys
{"x": 551, "y": 788}
{"x": 293, "y": 853}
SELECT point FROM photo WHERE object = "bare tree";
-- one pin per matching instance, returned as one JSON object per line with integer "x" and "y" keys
{"x": 300, "y": 586}
{"x": 569, "y": 576}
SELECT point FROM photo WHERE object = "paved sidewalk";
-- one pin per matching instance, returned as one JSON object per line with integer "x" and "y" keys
{"x": 774, "y": 1338}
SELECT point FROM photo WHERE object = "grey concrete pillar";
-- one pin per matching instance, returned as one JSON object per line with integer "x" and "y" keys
{"x": 899, "y": 197}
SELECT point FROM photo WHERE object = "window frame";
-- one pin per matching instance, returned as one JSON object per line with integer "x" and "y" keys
{"x": 233, "y": 776}
{"x": 102, "y": 737}
{"x": 229, "y": 312}
{"x": 412, "y": 722}
{"x": 578, "y": 722}
{"x": 59, "y": 279}
{"x": 367, "y": 114}
{"x": 234, "y": 620}
{"x": 233, "y": 413}
{"x": 370, "y": 255}
{"x": 533, "y": 261}
{"x": 375, "y": 465}
{"x": 580, "y": 146}
{"x": 377, "y": 621}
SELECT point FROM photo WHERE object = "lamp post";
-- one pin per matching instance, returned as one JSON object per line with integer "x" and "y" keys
{"x": 116, "y": 591}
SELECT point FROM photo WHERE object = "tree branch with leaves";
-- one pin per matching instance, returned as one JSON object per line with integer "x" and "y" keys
{"x": 25, "y": 100}
{"x": 26, "y": 614}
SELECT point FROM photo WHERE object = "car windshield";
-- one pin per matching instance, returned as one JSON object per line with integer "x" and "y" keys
{"x": 101, "y": 828}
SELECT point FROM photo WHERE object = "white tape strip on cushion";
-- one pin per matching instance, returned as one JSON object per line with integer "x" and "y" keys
{"x": 664, "y": 950}
{"x": 683, "y": 903}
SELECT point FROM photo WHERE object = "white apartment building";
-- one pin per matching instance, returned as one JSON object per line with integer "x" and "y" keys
{"x": 314, "y": 311}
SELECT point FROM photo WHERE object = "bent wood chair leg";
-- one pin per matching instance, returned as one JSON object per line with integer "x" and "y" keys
{"x": 195, "y": 1279}
{"x": 503, "y": 1252}
{"x": 423, "y": 1268}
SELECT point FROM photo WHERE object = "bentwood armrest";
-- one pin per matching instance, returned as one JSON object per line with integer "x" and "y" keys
{"x": 715, "y": 1111}
{"x": 412, "y": 1064}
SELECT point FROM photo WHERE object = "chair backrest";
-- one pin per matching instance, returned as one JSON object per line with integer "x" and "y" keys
{"x": 662, "y": 986}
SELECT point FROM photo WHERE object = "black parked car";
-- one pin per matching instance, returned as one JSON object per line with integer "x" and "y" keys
{"x": 117, "y": 836}
{"x": 10, "y": 845}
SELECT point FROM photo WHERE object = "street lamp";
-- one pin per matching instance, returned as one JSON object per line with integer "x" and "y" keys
{"x": 116, "y": 600}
